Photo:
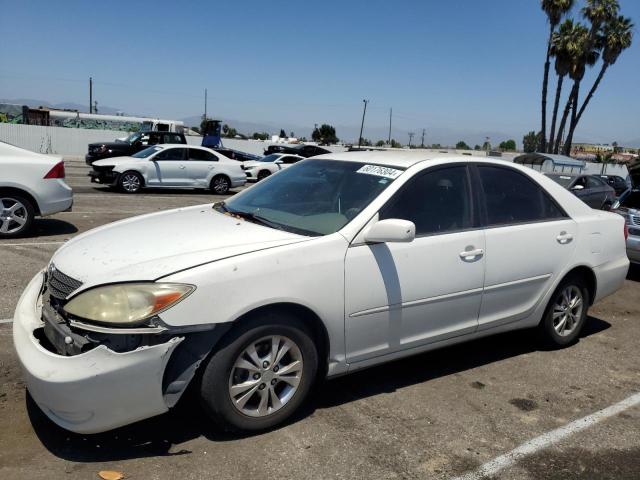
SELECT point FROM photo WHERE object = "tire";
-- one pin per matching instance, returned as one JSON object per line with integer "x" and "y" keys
{"x": 234, "y": 398}
{"x": 220, "y": 185}
{"x": 130, "y": 182}
{"x": 262, "y": 174}
{"x": 16, "y": 215}
{"x": 565, "y": 328}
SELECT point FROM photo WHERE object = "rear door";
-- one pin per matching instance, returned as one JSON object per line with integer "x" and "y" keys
{"x": 529, "y": 240}
{"x": 171, "y": 167}
{"x": 202, "y": 165}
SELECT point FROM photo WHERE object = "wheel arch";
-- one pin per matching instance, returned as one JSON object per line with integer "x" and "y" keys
{"x": 132, "y": 170}
{"x": 588, "y": 275}
{"x": 19, "y": 191}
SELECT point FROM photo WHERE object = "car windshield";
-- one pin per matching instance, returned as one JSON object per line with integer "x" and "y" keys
{"x": 147, "y": 152}
{"x": 270, "y": 158}
{"x": 632, "y": 200}
{"x": 564, "y": 180}
{"x": 313, "y": 197}
{"x": 134, "y": 137}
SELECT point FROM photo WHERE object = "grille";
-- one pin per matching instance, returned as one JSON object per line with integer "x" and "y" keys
{"x": 634, "y": 220}
{"x": 60, "y": 285}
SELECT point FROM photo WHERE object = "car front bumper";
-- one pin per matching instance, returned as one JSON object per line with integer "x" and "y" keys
{"x": 94, "y": 391}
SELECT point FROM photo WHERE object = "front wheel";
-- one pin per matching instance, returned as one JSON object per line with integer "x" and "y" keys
{"x": 260, "y": 374}
{"x": 263, "y": 174}
{"x": 566, "y": 313}
{"x": 130, "y": 182}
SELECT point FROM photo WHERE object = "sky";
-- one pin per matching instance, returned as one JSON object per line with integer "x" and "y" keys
{"x": 460, "y": 69}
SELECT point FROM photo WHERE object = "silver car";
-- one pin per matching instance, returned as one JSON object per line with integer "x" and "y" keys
{"x": 628, "y": 205}
{"x": 31, "y": 184}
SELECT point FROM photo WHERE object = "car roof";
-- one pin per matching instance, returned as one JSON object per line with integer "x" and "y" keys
{"x": 560, "y": 174}
{"x": 400, "y": 158}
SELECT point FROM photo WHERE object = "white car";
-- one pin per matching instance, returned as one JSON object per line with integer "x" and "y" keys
{"x": 170, "y": 166}
{"x": 31, "y": 184}
{"x": 335, "y": 264}
{"x": 269, "y": 164}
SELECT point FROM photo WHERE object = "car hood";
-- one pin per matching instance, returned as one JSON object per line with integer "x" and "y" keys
{"x": 115, "y": 161}
{"x": 112, "y": 145}
{"x": 156, "y": 245}
{"x": 255, "y": 163}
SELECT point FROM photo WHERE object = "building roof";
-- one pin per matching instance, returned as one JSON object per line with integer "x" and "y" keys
{"x": 539, "y": 158}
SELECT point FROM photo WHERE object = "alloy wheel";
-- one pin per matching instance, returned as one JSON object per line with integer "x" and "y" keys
{"x": 220, "y": 185}
{"x": 265, "y": 376}
{"x": 130, "y": 182}
{"x": 13, "y": 215}
{"x": 567, "y": 310}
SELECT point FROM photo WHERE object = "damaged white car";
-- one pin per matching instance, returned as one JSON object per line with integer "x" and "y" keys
{"x": 335, "y": 264}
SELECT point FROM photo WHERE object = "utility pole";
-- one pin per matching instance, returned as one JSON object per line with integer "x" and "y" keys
{"x": 390, "y": 115}
{"x": 422, "y": 144}
{"x": 205, "y": 104}
{"x": 90, "y": 95}
{"x": 411, "y": 134}
{"x": 364, "y": 112}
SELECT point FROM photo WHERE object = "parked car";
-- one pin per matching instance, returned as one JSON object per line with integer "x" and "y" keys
{"x": 333, "y": 265}
{"x": 236, "y": 154}
{"x": 134, "y": 143}
{"x": 628, "y": 205}
{"x": 591, "y": 189}
{"x": 31, "y": 184}
{"x": 264, "y": 167}
{"x": 305, "y": 151}
{"x": 171, "y": 166}
{"x": 616, "y": 182}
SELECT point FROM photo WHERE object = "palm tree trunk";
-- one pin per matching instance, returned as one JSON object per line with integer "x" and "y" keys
{"x": 556, "y": 104}
{"x": 563, "y": 121}
{"x": 566, "y": 150}
{"x": 545, "y": 83}
{"x": 605, "y": 65}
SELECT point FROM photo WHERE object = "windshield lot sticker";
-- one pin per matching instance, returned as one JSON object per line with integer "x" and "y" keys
{"x": 380, "y": 171}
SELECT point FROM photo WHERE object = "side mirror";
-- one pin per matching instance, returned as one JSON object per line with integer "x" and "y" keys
{"x": 577, "y": 188}
{"x": 391, "y": 230}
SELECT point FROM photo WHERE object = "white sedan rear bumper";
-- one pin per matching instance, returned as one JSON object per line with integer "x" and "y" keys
{"x": 54, "y": 196}
{"x": 94, "y": 391}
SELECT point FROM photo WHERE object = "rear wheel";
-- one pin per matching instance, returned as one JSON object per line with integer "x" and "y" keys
{"x": 566, "y": 313}
{"x": 263, "y": 174}
{"x": 130, "y": 182}
{"x": 16, "y": 215}
{"x": 220, "y": 185}
{"x": 261, "y": 373}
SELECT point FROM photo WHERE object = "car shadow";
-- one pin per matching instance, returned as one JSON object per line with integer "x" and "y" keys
{"x": 633, "y": 273}
{"x": 160, "y": 435}
{"x": 45, "y": 227}
{"x": 165, "y": 191}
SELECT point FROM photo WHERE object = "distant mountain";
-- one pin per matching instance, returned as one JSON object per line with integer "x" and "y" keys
{"x": 33, "y": 103}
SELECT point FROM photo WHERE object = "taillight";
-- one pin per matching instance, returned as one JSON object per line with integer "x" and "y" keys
{"x": 626, "y": 231}
{"x": 57, "y": 171}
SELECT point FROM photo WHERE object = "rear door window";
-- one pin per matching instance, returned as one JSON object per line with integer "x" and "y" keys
{"x": 511, "y": 198}
{"x": 201, "y": 155}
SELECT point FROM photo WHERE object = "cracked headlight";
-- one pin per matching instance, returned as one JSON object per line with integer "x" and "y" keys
{"x": 126, "y": 303}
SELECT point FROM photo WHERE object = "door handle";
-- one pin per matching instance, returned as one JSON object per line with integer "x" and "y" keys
{"x": 564, "y": 238}
{"x": 182, "y": 167}
{"x": 469, "y": 254}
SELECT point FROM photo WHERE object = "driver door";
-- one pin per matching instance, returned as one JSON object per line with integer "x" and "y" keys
{"x": 403, "y": 295}
{"x": 171, "y": 167}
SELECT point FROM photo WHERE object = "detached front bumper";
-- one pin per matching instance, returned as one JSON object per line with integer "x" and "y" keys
{"x": 94, "y": 391}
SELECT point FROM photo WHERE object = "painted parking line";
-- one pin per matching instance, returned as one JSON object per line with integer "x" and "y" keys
{"x": 545, "y": 440}
{"x": 30, "y": 244}
{"x": 6, "y": 320}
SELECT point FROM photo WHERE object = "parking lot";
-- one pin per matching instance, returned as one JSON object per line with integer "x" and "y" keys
{"x": 437, "y": 415}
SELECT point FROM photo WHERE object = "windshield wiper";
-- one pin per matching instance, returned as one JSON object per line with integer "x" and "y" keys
{"x": 252, "y": 217}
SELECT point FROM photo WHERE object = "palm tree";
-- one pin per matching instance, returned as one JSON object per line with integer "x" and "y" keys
{"x": 554, "y": 9}
{"x": 599, "y": 13}
{"x": 616, "y": 37}
{"x": 581, "y": 54}
{"x": 560, "y": 50}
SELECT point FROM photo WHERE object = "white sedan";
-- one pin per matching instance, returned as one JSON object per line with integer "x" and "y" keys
{"x": 335, "y": 264}
{"x": 170, "y": 166}
{"x": 269, "y": 164}
{"x": 31, "y": 184}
